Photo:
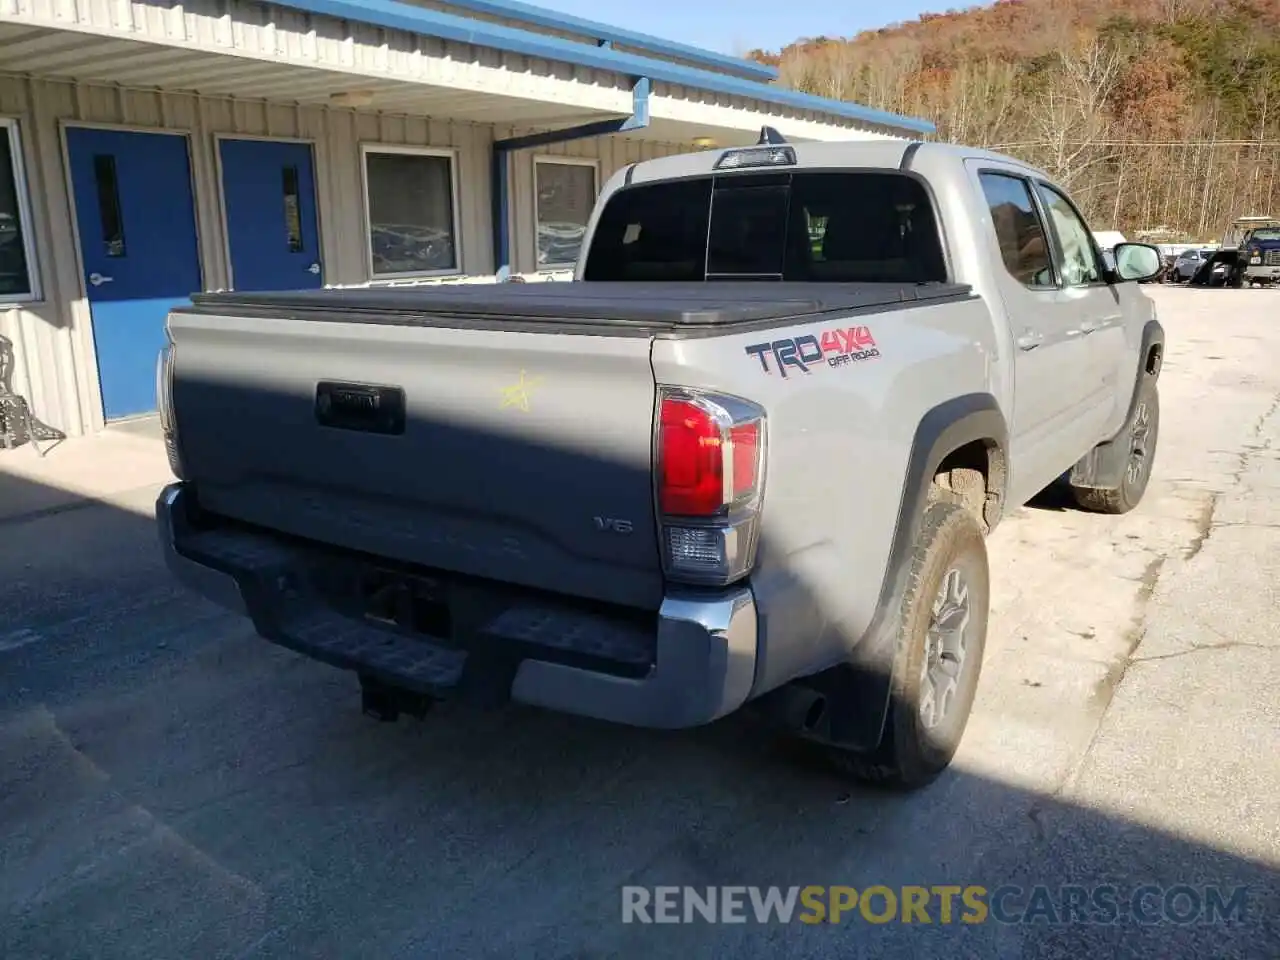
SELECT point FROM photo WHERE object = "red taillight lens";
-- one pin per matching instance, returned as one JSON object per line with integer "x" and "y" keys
{"x": 691, "y": 461}
{"x": 746, "y": 458}
{"x": 710, "y": 478}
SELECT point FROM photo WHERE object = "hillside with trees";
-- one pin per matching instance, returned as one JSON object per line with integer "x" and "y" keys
{"x": 1152, "y": 112}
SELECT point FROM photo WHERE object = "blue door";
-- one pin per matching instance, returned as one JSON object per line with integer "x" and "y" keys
{"x": 270, "y": 195}
{"x": 138, "y": 245}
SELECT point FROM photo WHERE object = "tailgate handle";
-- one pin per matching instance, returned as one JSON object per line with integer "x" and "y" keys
{"x": 367, "y": 408}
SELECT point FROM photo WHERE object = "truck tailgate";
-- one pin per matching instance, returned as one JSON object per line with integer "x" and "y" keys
{"x": 520, "y": 456}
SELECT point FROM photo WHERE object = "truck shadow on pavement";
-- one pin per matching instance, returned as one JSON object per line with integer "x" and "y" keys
{"x": 171, "y": 785}
{"x": 1056, "y": 497}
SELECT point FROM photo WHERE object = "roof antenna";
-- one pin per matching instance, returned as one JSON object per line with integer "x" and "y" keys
{"x": 768, "y": 135}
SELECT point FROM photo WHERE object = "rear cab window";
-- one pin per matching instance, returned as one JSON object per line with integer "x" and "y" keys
{"x": 827, "y": 227}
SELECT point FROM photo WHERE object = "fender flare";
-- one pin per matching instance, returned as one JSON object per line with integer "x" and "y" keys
{"x": 1104, "y": 465}
{"x": 1152, "y": 336}
{"x": 858, "y": 690}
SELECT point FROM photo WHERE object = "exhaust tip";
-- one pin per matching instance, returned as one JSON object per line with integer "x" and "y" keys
{"x": 813, "y": 716}
{"x": 798, "y": 709}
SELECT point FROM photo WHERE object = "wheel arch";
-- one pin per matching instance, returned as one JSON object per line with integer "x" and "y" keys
{"x": 1104, "y": 463}
{"x": 858, "y": 691}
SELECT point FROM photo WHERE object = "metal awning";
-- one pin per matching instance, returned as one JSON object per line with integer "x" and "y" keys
{"x": 398, "y": 58}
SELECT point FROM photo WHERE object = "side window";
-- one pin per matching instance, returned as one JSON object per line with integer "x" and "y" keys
{"x": 1021, "y": 235}
{"x": 1079, "y": 266}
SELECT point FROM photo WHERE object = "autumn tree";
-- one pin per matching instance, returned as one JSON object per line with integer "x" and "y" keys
{"x": 1152, "y": 112}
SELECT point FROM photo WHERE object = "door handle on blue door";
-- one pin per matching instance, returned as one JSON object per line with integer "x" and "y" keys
{"x": 98, "y": 279}
{"x": 1030, "y": 339}
{"x": 314, "y": 268}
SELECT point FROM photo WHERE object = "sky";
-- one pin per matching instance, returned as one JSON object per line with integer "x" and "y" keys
{"x": 736, "y": 26}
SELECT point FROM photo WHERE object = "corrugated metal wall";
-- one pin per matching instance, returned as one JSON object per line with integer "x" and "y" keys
{"x": 53, "y": 338}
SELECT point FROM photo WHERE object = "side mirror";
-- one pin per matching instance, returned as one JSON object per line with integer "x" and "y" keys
{"x": 1136, "y": 261}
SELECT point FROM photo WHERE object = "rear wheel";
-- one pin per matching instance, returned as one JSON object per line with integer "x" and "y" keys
{"x": 1140, "y": 433}
{"x": 942, "y": 632}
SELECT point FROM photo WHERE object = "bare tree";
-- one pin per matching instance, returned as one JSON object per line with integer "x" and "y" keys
{"x": 1070, "y": 116}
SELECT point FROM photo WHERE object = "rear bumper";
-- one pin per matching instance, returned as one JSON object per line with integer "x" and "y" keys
{"x": 703, "y": 663}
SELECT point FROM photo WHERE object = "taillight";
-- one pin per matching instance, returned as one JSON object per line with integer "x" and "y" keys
{"x": 709, "y": 478}
{"x": 164, "y": 404}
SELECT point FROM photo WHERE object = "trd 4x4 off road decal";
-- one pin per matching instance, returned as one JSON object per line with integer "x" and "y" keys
{"x": 836, "y": 347}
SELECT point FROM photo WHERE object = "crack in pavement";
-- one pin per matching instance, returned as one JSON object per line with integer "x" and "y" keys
{"x": 1204, "y": 525}
{"x": 1200, "y": 648}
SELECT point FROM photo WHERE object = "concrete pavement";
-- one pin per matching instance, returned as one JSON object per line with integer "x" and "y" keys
{"x": 170, "y": 786}
{"x": 123, "y": 459}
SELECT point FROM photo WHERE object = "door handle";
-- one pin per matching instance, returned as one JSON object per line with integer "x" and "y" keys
{"x": 1030, "y": 339}
{"x": 98, "y": 279}
{"x": 1091, "y": 325}
{"x": 314, "y": 268}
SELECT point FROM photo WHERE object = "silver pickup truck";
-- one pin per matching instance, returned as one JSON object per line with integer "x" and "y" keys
{"x": 749, "y": 455}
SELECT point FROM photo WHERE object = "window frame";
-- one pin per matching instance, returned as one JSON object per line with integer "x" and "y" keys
{"x": 447, "y": 153}
{"x": 549, "y": 158}
{"x": 1041, "y": 215}
{"x": 1059, "y": 251}
{"x": 10, "y": 128}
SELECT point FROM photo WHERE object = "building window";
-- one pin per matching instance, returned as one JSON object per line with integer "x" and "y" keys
{"x": 565, "y": 191}
{"x": 17, "y": 279}
{"x": 412, "y": 207}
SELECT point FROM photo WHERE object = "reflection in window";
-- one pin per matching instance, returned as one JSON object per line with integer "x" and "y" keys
{"x": 816, "y": 225}
{"x": 410, "y": 199}
{"x": 1079, "y": 264}
{"x": 566, "y": 192}
{"x": 15, "y": 275}
{"x": 748, "y": 233}
{"x": 104, "y": 175}
{"x": 1023, "y": 245}
{"x": 292, "y": 210}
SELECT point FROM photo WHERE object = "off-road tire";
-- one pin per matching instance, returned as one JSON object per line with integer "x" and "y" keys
{"x": 910, "y": 756}
{"x": 1122, "y": 499}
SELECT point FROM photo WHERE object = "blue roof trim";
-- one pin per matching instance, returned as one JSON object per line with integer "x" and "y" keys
{"x": 527, "y": 12}
{"x": 392, "y": 15}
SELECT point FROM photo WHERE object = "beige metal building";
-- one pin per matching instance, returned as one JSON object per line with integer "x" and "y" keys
{"x": 153, "y": 148}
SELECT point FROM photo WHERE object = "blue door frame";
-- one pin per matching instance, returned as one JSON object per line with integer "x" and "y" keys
{"x": 269, "y": 193}
{"x": 136, "y": 220}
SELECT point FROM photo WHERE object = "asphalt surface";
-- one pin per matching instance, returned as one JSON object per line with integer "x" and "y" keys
{"x": 171, "y": 786}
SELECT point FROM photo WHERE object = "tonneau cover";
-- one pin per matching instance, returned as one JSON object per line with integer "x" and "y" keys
{"x": 653, "y": 305}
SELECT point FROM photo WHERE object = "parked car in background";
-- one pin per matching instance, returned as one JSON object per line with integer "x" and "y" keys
{"x": 1169, "y": 254}
{"x": 1187, "y": 263}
